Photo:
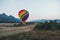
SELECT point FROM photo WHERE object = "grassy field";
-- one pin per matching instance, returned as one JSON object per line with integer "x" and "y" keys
{"x": 35, "y": 35}
{"x": 10, "y": 31}
{"x": 42, "y": 31}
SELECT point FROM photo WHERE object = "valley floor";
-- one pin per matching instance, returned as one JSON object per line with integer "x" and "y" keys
{"x": 35, "y": 35}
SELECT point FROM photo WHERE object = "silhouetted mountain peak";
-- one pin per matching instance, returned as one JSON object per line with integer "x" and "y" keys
{"x": 4, "y": 18}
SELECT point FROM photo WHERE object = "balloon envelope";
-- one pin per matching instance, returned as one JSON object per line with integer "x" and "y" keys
{"x": 23, "y": 15}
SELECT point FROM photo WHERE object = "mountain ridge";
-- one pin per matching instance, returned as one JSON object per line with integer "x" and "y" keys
{"x": 45, "y": 20}
{"x": 8, "y": 19}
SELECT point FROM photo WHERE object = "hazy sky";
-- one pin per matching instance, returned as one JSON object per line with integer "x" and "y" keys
{"x": 38, "y": 9}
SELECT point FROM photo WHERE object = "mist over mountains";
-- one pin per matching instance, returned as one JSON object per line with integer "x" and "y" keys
{"x": 45, "y": 20}
{"x": 8, "y": 19}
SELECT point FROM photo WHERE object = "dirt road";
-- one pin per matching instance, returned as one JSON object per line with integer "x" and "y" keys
{"x": 9, "y": 31}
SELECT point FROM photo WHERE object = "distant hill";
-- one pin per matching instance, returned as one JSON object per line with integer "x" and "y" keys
{"x": 44, "y": 20}
{"x": 8, "y": 19}
{"x": 58, "y": 20}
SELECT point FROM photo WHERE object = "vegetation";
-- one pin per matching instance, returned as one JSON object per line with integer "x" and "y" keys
{"x": 20, "y": 24}
{"x": 35, "y": 35}
{"x": 42, "y": 31}
{"x": 52, "y": 25}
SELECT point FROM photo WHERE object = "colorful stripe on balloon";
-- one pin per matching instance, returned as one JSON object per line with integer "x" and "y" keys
{"x": 23, "y": 14}
{"x": 25, "y": 17}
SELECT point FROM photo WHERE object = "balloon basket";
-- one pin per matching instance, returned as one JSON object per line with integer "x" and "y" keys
{"x": 23, "y": 23}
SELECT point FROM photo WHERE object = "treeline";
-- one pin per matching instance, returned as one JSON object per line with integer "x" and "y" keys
{"x": 52, "y": 25}
{"x": 8, "y": 19}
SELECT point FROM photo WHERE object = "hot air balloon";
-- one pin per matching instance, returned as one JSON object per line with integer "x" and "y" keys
{"x": 23, "y": 15}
